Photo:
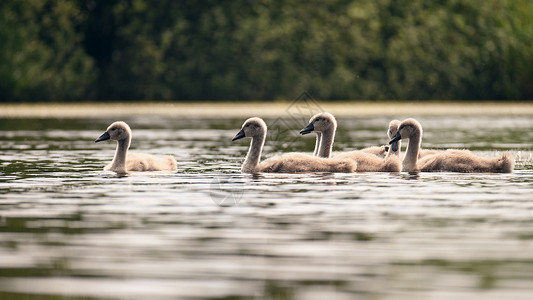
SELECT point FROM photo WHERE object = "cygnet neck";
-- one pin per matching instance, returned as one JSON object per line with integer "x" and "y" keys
{"x": 254, "y": 153}
{"x": 411, "y": 154}
{"x": 317, "y": 144}
{"x": 326, "y": 142}
{"x": 119, "y": 161}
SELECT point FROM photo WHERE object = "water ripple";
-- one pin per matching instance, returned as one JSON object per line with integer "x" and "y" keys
{"x": 71, "y": 229}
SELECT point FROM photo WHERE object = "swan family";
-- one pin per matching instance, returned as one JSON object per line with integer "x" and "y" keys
{"x": 256, "y": 129}
{"x": 372, "y": 159}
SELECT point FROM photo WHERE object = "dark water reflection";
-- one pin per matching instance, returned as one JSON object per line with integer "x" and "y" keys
{"x": 69, "y": 229}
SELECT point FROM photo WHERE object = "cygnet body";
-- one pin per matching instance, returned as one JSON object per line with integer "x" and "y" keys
{"x": 446, "y": 161}
{"x": 124, "y": 162}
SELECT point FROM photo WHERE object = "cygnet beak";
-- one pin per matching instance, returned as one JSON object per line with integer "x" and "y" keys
{"x": 393, "y": 146}
{"x": 308, "y": 129}
{"x": 394, "y": 141}
{"x": 104, "y": 137}
{"x": 239, "y": 135}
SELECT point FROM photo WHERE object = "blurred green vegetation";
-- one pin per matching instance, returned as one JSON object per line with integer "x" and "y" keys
{"x": 70, "y": 50}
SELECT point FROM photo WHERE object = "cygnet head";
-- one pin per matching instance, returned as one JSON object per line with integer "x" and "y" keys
{"x": 320, "y": 122}
{"x": 251, "y": 127}
{"x": 408, "y": 128}
{"x": 117, "y": 131}
{"x": 393, "y": 129}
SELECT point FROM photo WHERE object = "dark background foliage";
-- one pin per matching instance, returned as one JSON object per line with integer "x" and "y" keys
{"x": 70, "y": 50}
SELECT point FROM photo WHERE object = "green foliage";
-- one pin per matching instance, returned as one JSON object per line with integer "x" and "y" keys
{"x": 265, "y": 49}
{"x": 41, "y": 53}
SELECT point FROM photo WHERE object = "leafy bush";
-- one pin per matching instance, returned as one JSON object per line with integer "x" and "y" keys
{"x": 41, "y": 55}
{"x": 265, "y": 49}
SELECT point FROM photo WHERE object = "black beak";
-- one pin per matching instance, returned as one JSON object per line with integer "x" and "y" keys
{"x": 395, "y": 138}
{"x": 308, "y": 129}
{"x": 394, "y": 146}
{"x": 104, "y": 137}
{"x": 239, "y": 135}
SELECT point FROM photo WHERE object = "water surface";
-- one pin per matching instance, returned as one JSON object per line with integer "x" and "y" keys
{"x": 70, "y": 229}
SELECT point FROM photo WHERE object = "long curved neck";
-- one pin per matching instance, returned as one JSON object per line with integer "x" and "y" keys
{"x": 326, "y": 143}
{"x": 119, "y": 161}
{"x": 411, "y": 154}
{"x": 317, "y": 144}
{"x": 254, "y": 153}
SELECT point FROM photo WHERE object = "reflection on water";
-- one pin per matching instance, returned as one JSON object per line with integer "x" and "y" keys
{"x": 70, "y": 229}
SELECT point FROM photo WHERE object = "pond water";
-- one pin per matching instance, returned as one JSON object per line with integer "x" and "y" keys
{"x": 71, "y": 230}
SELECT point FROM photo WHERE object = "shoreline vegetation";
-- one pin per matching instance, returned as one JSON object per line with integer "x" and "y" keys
{"x": 262, "y": 109}
{"x": 237, "y": 50}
